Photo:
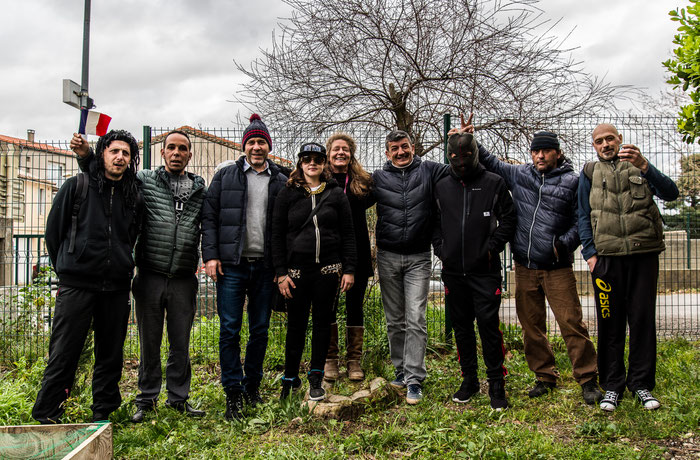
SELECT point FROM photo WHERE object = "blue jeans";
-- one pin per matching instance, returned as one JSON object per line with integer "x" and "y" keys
{"x": 404, "y": 282}
{"x": 238, "y": 281}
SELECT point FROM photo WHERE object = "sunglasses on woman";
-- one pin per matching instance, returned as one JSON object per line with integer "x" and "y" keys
{"x": 317, "y": 159}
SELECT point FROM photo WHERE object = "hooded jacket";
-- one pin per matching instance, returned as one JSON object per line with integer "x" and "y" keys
{"x": 475, "y": 220}
{"x": 404, "y": 205}
{"x": 224, "y": 213}
{"x": 546, "y": 206}
{"x": 104, "y": 241}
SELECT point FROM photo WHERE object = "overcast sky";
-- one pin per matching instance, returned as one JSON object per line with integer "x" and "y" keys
{"x": 170, "y": 63}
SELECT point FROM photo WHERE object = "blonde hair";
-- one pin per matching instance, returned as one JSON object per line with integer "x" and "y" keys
{"x": 361, "y": 180}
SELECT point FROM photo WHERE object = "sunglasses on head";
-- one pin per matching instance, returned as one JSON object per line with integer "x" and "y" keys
{"x": 317, "y": 159}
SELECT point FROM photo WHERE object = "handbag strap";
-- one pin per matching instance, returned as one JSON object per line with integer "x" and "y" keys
{"x": 314, "y": 211}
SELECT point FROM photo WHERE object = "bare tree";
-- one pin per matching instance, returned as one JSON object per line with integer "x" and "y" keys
{"x": 404, "y": 63}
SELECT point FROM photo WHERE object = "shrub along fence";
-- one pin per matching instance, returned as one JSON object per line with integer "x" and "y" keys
{"x": 34, "y": 171}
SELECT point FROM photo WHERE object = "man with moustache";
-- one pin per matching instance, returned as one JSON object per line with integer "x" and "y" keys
{"x": 236, "y": 249}
{"x": 90, "y": 234}
{"x": 165, "y": 286}
{"x": 622, "y": 235}
{"x": 404, "y": 194}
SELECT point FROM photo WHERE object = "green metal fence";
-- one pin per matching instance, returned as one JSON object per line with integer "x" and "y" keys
{"x": 32, "y": 173}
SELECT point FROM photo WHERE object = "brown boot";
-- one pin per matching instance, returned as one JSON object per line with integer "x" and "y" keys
{"x": 330, "y": 371}
{"x": 355, "y": 336}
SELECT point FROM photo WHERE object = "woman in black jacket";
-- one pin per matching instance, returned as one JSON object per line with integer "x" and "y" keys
{"x": 313, "y": 251}
{"x": 356, "y": 183}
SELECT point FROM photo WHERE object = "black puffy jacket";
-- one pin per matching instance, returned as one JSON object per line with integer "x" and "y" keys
{"x": 546, "y": 205}
{"x": 404, "y": 205}
{"x": 224, "y": 213}
{"x": 475, "y": 220}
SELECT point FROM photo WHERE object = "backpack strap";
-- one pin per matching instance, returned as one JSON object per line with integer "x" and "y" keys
{"x": 588, "y": 168}
{"x": 79, "y": 196}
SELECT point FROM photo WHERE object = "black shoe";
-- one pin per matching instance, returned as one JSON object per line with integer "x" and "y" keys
{"x": 497, "y": 393}
{"x": 316, "y": 391}
{"x": 234, "y": 405}
{"x": 468, "y": 389}
{"x": 99, "y": 417}
{"x": 185, "y": 408}
{"x": 591, "y": 392}
{"x": 141, "y": 413}
{"x": 542, "y": 388}
{"x": 252, "y": 396}
{"x": 290, "y": 385}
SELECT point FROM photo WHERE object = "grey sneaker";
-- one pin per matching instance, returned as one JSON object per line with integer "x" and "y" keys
{"x": 610, "y": 401}
{"x": 316, "y": 391}
{"x": 648, "y": 401}
{"x": 415, "y": 394}
{"x": 398, "y": 382}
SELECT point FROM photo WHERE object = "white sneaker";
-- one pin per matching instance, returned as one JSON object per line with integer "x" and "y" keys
{"x": 648, "y": 401}
{"x": 610, "y": 401}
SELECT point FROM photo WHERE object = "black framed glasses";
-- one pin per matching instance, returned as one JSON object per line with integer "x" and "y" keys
{"x": 317, "y": 159}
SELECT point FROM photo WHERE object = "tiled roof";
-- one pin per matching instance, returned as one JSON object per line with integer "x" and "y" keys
{"x": 211, "y": 138}
{"x": 34, "y": 145}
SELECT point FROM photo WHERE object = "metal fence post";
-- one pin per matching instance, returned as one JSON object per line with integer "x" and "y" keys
{"x": 146, "y": 147}
{"x": 447, "y": 124}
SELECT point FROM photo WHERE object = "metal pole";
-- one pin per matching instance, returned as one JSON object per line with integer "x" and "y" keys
{"x": 84, "y": 100}
{"x": 447, "y": 124}
{"x": 687, "y": 234}
{"x": 146, "y": 155}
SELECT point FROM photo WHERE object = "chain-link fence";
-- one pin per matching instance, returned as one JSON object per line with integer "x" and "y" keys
{"x": 32, "y": 172}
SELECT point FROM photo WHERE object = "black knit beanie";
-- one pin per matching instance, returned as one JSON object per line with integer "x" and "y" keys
{"x": 545, "y": 140}
{"x": 256, "y": 128}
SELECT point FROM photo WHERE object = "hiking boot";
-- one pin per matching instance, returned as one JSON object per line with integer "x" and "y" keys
{"x": 330, "y": 370}
{"x": 316, "y": 391}
{"x": 497, "y": 393}
{"x": 185, "y": 408}
{"x": 648, "y": 401}
{"x": 398, "y": 382}
{"x": 591, "y": 392}
{"x": 252, "y": 395}
{"x": 355, "y": 335}
{"x": 234, "y": 405}
{"x": 610, "y": 401}
{"x": 414, "y": 394}
{"x": 542, "y": 388}
{"x": 289, "y": 385}
{"x": 468, "y": 389}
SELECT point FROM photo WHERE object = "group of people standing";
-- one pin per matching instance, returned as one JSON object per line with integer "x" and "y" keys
{"x": 268, "y": 231}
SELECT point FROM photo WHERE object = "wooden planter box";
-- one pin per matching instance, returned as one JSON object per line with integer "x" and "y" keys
{"x": 77, "y": 441}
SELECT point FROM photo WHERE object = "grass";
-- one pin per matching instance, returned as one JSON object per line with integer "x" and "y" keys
{"x": 558, "y": 425}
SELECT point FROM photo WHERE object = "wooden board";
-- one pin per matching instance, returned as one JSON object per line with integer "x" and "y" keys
{"x": 74, "y": 442}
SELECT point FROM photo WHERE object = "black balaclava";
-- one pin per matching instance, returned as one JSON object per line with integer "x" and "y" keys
{"x": 466, "y": 154}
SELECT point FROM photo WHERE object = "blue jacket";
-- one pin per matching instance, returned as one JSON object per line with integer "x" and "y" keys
{"x": 224, "y": 213}
{"x": 404, "y": 205}
{"x": 545, "y": 204}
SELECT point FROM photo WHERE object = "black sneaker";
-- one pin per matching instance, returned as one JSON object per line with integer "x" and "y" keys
{"x": 591, "y": 392}
{"x": 648, "y": 401}
{"x": 398, "y": 382}
{"x": 542, "y": 388}
{"x": 316, "y": 391}
{"x": 289, "y": 385}
{"x": 468, "y": 389}
{"x": 234, "y": 405}
{"x": 252, "y": 396}
{"x": 610, "y": 401}
{"x": 497, "y": 393}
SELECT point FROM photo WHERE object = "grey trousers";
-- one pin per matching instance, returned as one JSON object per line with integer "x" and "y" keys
{"x": 404, "y": 282}
{"x": 160, "y": 298}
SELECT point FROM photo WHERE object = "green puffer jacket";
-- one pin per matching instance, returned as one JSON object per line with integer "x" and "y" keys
{"x": 624, "y": 218}
{"x": 166, "y": 246}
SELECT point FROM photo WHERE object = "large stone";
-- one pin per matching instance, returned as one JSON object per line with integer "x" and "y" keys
{"x": 347, "y": 408}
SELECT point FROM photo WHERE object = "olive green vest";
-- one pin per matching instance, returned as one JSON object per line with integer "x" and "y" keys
{"x": 624, "y": 218}
{"x": 165, "y": 245}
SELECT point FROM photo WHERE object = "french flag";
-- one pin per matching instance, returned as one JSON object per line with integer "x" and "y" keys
{"x": 93, "y": 122}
